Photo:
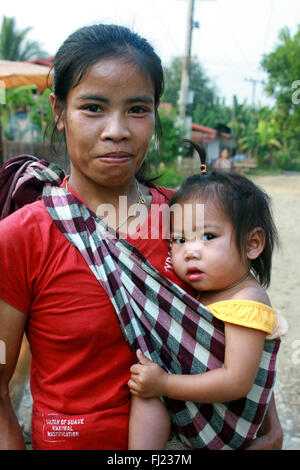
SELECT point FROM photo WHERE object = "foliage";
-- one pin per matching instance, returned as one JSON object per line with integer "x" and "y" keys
{"x": 34, "y": 107}
{"x": 283, "y": 68}
{"x": 259, "y": 135}
{"x": 240, "y": 123}
{"x": 13, "y": 43}
{"x": 169, "y": 178}
{"x": 207, "y": 108}
{"x": 169, "y": 148}
{"x": 270, "y": 135}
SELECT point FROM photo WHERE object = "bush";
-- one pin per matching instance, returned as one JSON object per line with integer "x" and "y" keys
{"x": 288, "y": 162}
{"x": 169, "y": 148}
{"x": 169, "y": 178}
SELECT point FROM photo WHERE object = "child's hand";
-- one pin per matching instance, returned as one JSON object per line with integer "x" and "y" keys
{"x": 148, "y": 379}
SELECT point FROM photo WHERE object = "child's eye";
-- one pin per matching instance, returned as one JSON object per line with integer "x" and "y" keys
{"x": 208, "y": 236}
{"x": 178, "y": 240}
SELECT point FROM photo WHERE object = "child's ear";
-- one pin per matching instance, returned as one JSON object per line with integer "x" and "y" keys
{"x": 256, "y": 243}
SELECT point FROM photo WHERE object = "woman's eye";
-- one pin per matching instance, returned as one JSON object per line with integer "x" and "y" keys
{"x": 137, "y": 110}
{"x": 208, "y": 236}
{"x": 94, "y": 108}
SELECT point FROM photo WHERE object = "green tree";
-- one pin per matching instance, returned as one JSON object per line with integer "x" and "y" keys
{"x": 250, "y": 142}
{"x": 35, "y": 106}
{"x": 240, "y": 124}
{"x": 213, "y": 113}
{"x": 14, "y": 45}
{"x": 268, "y": 138}
{"x": 283, "y": 69}
{"x": 207, "y": 108}
{"x": 171, "y": 141}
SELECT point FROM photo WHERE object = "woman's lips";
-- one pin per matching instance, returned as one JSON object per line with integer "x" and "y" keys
{"x": 194, "y": 274}
{"x": 115, "y": 158}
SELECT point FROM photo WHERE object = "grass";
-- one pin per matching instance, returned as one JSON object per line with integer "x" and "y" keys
{"x": 270, "y": 171}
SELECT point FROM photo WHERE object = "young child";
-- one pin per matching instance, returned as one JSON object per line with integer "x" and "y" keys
{"x": 226, "y": 257}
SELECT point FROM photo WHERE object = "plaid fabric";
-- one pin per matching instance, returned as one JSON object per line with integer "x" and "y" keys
{"x": 22, "y": 179}
{"x": 168, "y": 325}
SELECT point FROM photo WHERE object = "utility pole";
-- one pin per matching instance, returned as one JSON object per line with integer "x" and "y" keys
{"x": 232, "y": 120}
{"x": 254, "y": 83}
{"x": 183, "y": 96}
{"x": 186, "y": 64}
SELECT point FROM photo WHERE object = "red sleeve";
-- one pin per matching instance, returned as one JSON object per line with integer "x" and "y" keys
{"x": 20, "y": 254}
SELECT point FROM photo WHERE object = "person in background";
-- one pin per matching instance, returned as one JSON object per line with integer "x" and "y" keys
{"x": 224, "y": 161}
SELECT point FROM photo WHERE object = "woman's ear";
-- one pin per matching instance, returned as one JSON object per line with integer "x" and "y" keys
{"x": 58, "y": 112}
{"x": 256, "y": 243}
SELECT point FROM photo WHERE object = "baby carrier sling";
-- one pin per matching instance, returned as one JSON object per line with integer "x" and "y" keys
{"x": 170, "y": 327}
{"x": 22, "y": 179}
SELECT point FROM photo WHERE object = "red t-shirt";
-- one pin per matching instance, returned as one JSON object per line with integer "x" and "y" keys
{"x": 80, "y": 359}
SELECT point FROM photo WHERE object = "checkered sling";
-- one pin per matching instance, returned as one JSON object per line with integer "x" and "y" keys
{"x": 168, "y": 325}
{"x": 22, "y": 179}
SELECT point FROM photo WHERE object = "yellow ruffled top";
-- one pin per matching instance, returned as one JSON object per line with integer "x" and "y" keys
{"x": 248, "y": 313}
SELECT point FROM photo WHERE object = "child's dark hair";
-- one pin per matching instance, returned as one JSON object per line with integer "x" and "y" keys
{"x": 247, "y": 206}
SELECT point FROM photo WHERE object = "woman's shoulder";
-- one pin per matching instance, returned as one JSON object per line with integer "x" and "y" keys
{"x": 23, "y": 219}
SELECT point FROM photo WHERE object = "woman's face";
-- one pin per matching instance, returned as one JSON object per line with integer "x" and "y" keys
{"x": 108, "y": 121}
{"x": 225, "y": 154}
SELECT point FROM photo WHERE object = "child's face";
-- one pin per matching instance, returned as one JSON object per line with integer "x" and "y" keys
{"x": 205, "y": 255}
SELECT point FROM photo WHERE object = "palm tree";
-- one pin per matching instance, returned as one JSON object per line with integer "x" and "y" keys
{"x": 241, "y": 119}
{"x": 13, "y": 43}
{"x": 268, "y": 136}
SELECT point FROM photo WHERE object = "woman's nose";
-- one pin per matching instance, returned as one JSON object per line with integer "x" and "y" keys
{"x": 115, "y": 128}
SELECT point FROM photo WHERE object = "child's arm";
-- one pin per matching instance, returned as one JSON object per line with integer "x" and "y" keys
{"x": 242, "y": 357}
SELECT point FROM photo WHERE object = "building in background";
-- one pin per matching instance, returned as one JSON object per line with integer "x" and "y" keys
{"x": 212, "y": 139}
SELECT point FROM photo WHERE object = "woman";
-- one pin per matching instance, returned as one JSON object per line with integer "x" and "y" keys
{"x": 224, "y": 161}
{"x": 107, "y": 86}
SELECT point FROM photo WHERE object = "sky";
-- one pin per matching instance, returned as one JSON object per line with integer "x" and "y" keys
{"x": 230, "y": 42}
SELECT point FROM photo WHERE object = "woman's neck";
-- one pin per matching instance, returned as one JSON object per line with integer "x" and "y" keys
{"x": 114, "y": 204}
{"x": 95, "y": 194}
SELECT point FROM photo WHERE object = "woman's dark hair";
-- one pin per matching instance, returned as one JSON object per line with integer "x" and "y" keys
{"x": 89, "y": 44}
{"x": 247, "y": 206}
